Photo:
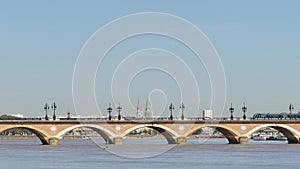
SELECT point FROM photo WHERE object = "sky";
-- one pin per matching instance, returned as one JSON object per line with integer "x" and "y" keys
{"x": 257, "y": 43}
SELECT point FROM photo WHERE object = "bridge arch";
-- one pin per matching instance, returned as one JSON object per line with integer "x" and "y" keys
{"x": 170, "y": 135}
{"x": 103, "y": 132}
{"x": 37, "y": 132}
{"x": 231, "y": 135}
{"x": 290, "y": 133}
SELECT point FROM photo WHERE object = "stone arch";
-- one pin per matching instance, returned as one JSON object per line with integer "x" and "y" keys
{"x": 39, "y": 133}
{"x": 170, "y": 135}
{"x": 290, "y": 133}
{"x": 230, "y": 134}
{"x": 103, "y": 132}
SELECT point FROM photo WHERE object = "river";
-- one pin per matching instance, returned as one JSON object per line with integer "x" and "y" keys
{"x": 149, "y": 153}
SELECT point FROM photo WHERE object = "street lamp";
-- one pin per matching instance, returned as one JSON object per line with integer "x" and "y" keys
{"x": 46, "y": 108}
{"x": 54, "y": 106}
{"x": 231, "y": 110}
{"x": 119, "y": 109}
{"x": 291, "y": 108}
{"x": 182, "y": 107}
{"x": 171, "y": 108}
{"x": 244, "y": 109}
{"x": 109, "y": 109}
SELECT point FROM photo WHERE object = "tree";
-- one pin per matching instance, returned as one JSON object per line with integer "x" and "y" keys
{"x": 9, "y": 117}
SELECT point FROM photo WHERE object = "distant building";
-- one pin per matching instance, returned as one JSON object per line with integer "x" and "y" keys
{"x": 148, "y": 113}
{"x": 138, "y": 109}
{"x": 208, "y": 130}
{"x": 207, "y": 114}
{"x": 18, "y": 115}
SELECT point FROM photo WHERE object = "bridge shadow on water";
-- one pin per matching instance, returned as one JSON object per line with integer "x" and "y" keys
{"x": 162, "y": 141}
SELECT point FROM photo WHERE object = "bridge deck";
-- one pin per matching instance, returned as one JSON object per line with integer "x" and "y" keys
{"x": 175, "y": 131}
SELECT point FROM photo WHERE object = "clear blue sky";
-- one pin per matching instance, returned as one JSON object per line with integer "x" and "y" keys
{"x": 258, "y": 44}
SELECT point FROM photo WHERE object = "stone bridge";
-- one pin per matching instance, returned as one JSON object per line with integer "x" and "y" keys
{"x": 175, "y": 131}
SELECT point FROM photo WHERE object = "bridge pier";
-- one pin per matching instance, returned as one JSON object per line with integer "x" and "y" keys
{"x": 53, "y": 141}
{"x": 118, "y": 140}
{"x": 243, "y": 140}
{"x": 181, "y": 140}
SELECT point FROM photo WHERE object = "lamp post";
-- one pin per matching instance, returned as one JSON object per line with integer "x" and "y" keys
{"x": 182, "y": 107}
{"x": 244, "y": 109}
{"x": 109, "y": 109}
{"x": 119, "y": 109}
{"x": 291, "y": 108}
{"x": 231, "y": 110}
{"x": 46, "y": 108}
{"x": 54, "y": 106}
{"x": 171, "y": 108}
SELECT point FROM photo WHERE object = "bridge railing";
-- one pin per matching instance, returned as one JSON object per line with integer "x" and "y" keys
{"x": 294, "y": 118}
